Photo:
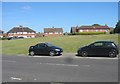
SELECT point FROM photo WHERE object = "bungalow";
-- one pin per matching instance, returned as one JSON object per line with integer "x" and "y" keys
{"x": 53, "y": 31}
{"x": 1, "y": 33}
{"x": 90, "y": 29}
{"x": 21, "y": 32}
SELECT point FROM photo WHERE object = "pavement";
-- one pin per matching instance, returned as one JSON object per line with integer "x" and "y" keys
{"x": 64, "y": 68}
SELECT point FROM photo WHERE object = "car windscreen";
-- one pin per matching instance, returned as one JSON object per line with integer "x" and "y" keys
{"x": 49, "y": 44}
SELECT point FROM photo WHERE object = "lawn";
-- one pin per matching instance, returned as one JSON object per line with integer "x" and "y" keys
{"x": 70, "y": 44}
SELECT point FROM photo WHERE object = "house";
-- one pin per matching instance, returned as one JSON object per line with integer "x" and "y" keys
{"x": 1, "y": 33}
{"x": 53, "y": 31}
{"x": 90, "y": 29}
{"x": 21, "y": 32}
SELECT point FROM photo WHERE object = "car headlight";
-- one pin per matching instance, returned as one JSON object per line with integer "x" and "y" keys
{"x": 57, "y": 49}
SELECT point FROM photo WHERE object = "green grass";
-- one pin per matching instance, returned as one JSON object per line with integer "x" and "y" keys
{"x": 70, "y": 44}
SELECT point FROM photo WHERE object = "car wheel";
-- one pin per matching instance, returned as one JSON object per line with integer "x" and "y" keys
{"x": 51, "y": 53}
{"x": 84, "y": 54}
{"x": 31, "y": 53}
{"x": 113, "y": 53}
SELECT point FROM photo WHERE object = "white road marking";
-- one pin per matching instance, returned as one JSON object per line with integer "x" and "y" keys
{"x": 7, "y": 61}
{"x": 15, "y": 78}
{"x": 85, "y": 65}
{"x": 35, "y": 79}
{"x": 59, "y": 64}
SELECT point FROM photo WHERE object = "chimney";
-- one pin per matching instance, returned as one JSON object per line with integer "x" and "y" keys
{"x": 20, "y": 26}
{"x": 52, "y": 26}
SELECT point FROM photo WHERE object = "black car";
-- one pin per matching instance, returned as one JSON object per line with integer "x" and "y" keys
{"x": 99, "y": 48}
{"x": 45, "y": 48}
{"x": 15, "y": 37}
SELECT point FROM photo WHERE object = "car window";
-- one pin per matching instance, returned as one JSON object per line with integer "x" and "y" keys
{"x": 110, "y": 45}
{"x": 98, "y": 44}
{"x": 41, "y": 45}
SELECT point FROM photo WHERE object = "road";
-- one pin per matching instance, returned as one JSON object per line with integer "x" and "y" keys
{"x": 65, "y": 68}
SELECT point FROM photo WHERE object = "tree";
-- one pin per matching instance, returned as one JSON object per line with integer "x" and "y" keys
{"x": 117, "y": 28}
{"x": 95, "y": 25}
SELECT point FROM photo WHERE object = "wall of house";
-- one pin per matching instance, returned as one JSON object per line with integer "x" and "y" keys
{"x": 94, "y": 30}
{"x": 1, "y": 36}
{"x": 25, "y": 35}
{"x": 53, "y": 34}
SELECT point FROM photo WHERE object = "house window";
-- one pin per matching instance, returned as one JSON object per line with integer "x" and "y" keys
{"x": 24, "y": 32}
{"x": 50, "y": 32}
{"x": 81, "y": 30}
{"x": 56, "y": 32}
{"x": 32, "y": 33}
{"x": 18, "y": 32}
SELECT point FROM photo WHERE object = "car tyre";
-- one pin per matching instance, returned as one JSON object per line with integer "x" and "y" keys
{"x": 113, "y": 53}
{"x": 51, "y": 53}
{"x": 84, "y": 54}
{"x": 31, "y": 53}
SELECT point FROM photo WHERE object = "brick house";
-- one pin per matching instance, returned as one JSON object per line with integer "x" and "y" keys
{"x": 90, "y": 29}
{"x": 21, "y": 32}
{"x": 53, "y": 31}
{"x": 1, "y": 33}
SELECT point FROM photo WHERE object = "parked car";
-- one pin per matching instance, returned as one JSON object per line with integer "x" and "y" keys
{"x": 15, "y": 37}
{"x": 102, "y": 48}
{"x": 45, "y": 48}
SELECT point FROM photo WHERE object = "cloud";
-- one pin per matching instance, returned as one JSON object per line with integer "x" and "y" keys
{"x": 26, "y": 7}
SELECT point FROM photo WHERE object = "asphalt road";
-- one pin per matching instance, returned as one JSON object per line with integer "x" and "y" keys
{"x": 65, "y": 68}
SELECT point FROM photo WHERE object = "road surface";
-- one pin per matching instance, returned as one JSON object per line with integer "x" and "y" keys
{"x": 65, "y": 68}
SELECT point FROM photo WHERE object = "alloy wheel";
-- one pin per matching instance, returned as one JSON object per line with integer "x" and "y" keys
{"x": 84, "y": 54}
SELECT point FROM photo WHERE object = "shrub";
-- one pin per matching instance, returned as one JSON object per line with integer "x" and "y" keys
{"x": 3, "y": 38}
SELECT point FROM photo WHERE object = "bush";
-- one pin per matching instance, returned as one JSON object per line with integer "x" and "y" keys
{"x": 3, "y": 38}
{"x": 87, "y": 33}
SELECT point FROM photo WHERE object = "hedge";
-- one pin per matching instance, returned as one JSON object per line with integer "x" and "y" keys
{"x": 87, "y": 33}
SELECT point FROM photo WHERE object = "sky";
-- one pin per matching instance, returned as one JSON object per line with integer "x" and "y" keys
{"x": 40, "y": 15}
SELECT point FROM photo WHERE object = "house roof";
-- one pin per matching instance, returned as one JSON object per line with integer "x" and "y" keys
{"x": 46, "y": 30}
{"x": 20, "y": 29}
{"x": 94, "y": 27}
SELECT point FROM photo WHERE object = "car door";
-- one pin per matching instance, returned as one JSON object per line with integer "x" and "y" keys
{"x": 36, "y": 49}
{"x": 43, "y": 49}
{"x": 96, "y": 48}
{"x": 107, "y": 48}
